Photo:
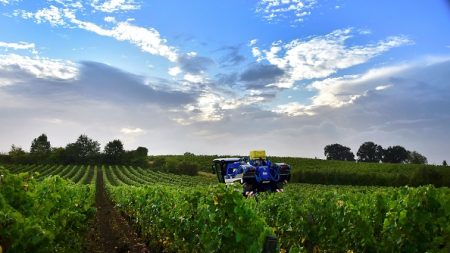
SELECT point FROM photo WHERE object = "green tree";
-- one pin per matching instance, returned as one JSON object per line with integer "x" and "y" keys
{"x": 338, "y": 152}
{"x": 84, "y": 150}
{"x": 40, "y": 149}
{"x": 114, "y": 152}
{"x": 395, "y": 154}
{"x": 40, "y": 146}
{"x": 370, "y": 152}
{"x": 137, "y": 157}
{"x": 415, "y": 157}
{"x": 57, "y": 155}
{"x": 142, "y": 152}
{"x": 444, "y": 163}
{"x": 17, "y": 154}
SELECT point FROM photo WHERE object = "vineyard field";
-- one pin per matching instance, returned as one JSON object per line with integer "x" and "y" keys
{"x": 175, "y": 213}
{"x": 49, "y": 215}
{"x": 329, "y": 172}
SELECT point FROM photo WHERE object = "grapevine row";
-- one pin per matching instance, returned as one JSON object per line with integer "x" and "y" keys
{"x": 43, "y": 216}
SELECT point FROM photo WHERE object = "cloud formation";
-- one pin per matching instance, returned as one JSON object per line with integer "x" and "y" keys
{"x": 114, "y": 5}
{"x": 17, "y": 45}
{"x": 321, "y": 56}
{"x": 404, "y": 104}
{"x": 276, "y": 10}
{"x": 52, "y": 15}
{"x": 39, "y": 67}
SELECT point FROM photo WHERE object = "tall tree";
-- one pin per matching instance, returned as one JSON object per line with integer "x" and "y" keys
{"x": 338, "y": 152}
{"x": 415, "y": 157}
{"x": 138, "y": 157}
{"x": 84, "y": 150}
{"x": 395, "y": 154}
{"x": 17, "y": 154}
{"x": 370, "y": 152}
{"x": 114, "y": 152}
{"x": 40, "y": 145}
{"x": 444, "y": 163}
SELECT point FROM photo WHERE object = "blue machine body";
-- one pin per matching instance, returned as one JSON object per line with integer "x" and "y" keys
{"x": 257, "y": 175}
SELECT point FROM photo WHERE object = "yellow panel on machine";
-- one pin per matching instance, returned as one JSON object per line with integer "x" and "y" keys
{"x": 257, "y": 154}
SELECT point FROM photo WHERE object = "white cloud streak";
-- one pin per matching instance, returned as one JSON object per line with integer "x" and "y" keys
{"x": 174, "y": 71}
{"x": 275, "y": 10}
{"x": 110, "y": 6}
{"x": 132, "y": 130}
{"x": 17, "y": 45}
{"x": 322, "y": 56}
{"x": 147, "y": 39}
{"x": 52, "y": 15}
{"x": 39, "y": 67}
{"x": 342, "y": 91}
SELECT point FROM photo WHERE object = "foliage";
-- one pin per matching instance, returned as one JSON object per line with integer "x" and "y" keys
{"x": 213, "y": 219}
{"x": 114, "y": 152}
{"x": 17, "y": 154}
{"x": 338, "y": 152}
{"x": 84, "y": 150}
{"x": 415, "y": 157}
{"x": 136, "y": 157}
{"x": 444, "y": 163}
{"x": 395, "y": 154}
{"x": 177, "y": 213}
{"x": 370, "y": 152}
{"x": 318, "y": 171}
{"x": 40, "y": 146}
{"x": 47, "y": 216}
{"x": 350, "y": 219}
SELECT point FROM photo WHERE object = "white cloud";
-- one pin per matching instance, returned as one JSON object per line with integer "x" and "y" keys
{"x": 193, "y": 78}
{"x": 275, "y": 10}
{"x": 115, "y": 5}
{"x": 17, "y": 46}
{"x": 257, "y": 54}
{"x": 39, "y": 67}
{"x": 6, "y": 2}
{"x": 110, "y": 19}
{"x": 192, "y": 54}
{"x": 294, "y": 109}
{"x": 341, "y": 91}
{"x": 253, "y": 42}
{"x": 132, "y": 130}
{"x": 383, "y": 87}
{"x": 322, "y": 56}
{"x": 52, "y": 15}
{"x": 73, "y": 4}
{"x": 174, "y": 71}
{"x": 147, "y": 39}
{"x": 212, "y": 105}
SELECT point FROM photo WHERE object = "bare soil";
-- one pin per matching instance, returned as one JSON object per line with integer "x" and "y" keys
{"x": 109, "y": 231}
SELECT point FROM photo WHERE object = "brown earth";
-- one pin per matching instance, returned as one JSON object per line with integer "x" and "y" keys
{"x": 109, "y": 231}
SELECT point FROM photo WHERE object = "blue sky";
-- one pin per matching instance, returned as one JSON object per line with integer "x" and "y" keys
{"x": 288, "y": 76}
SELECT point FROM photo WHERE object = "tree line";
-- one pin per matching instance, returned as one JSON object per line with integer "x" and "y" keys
{"x": 374, "y": 153}
{"x": 83, "y": 151}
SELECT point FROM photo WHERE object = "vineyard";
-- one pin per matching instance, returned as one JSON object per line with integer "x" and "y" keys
{"x": 49, "y": 215}
{"x": 177, "y": 213}
{"x": 330, "y": 172}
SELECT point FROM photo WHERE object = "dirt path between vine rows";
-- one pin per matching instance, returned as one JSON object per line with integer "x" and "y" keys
{"x": 110, "y": 232}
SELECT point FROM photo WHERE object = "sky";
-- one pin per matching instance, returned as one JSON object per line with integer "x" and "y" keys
{"x": 227, "y": 77}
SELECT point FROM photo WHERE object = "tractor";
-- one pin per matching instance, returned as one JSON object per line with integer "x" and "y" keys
{"x": 256, "y": 173}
